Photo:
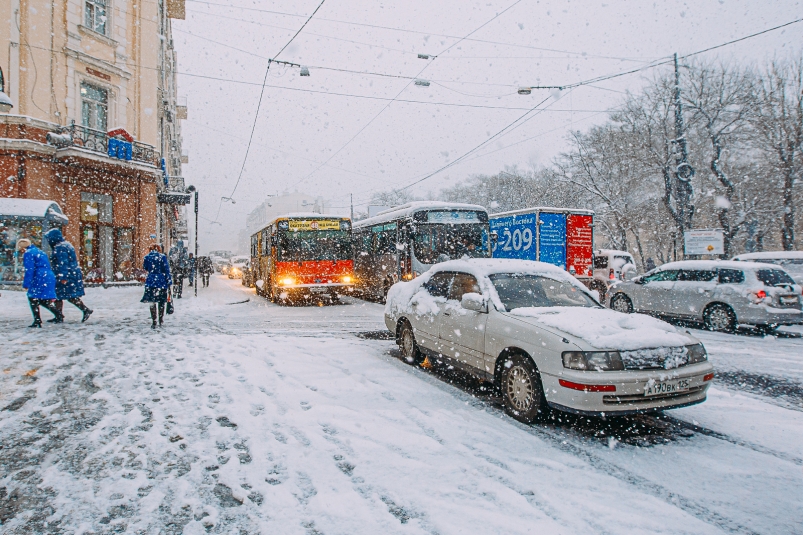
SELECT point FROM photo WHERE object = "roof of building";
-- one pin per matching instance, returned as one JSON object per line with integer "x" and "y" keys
{"x": 31, "y": 209}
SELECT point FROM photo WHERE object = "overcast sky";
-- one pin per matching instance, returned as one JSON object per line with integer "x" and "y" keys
{"x": 335, "y": 133}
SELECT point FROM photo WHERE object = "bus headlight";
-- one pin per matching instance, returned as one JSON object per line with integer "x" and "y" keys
{"x": 287, "y": 281}
{"x": 346, "y": 279}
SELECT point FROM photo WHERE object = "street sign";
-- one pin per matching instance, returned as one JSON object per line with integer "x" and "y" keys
{"x": 698, "y": 242}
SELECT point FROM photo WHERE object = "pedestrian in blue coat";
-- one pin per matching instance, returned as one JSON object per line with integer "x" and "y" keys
{"x": 157, "y": 284}
{"x": 69, "y": 279}
{"x": 39, "y": 281}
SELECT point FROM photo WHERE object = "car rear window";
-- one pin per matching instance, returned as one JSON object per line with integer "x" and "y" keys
{"x": 600, "y": 262}
{"x": 773, "y": 277}
{"x": 731, "y": 276}
{"x": 697, "y": 275}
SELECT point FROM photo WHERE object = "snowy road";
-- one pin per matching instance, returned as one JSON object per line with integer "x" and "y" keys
{"x": 247, "y": 417}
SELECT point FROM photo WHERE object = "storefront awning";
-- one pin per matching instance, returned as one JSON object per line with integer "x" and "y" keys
{"x": 14, "y": 208}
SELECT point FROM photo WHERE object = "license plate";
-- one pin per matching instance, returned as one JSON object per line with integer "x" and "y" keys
{"x": 666, "y": 387}
{"x": 789, "y": 300}
{"x": 318, "y": 290}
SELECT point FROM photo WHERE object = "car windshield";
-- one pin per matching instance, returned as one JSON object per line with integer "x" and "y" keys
{"x": 454, "y": 241}
{"x": 518, "y": 290}
{"x": 306, "y": 245}
{"x": 773, "y": 277}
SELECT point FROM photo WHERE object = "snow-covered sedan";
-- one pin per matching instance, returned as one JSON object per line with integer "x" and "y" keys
{"x": 542, "y": 338}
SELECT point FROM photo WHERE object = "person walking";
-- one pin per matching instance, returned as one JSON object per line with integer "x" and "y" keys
{"x": 39, "y": 281}
{"x": 191, "y": 268}
{"x": 69, "y": 278}
{"x": 205, "y": 269}
{"x": 178, "y": 265}
{"x": 157, "y": 285}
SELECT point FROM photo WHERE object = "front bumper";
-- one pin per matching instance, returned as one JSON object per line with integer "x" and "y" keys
{"x": 316, "y": 285}
{"x": 630, "y": 385}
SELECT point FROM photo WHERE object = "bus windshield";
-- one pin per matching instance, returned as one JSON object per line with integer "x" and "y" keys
{"x": 433, "y": 243}
{"x": 307, "y": 245}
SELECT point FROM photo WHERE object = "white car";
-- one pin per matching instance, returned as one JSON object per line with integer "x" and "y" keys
{"x": 539, "y": 335}
{"x": 237, "y": 266}
{"x": 611, "y": 266}
{"x": 789, "y": 261}
{"x": 718, "y": 293}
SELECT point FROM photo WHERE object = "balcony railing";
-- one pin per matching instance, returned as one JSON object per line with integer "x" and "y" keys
{"x": 97, "y": 141}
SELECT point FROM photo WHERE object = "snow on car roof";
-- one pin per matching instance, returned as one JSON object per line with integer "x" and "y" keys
{"x": 609, "y": 252}
{"x": 713, "y": 264}
{"x": 770, "y": 255}
{"x": 411, "y": 207}
{"x": 488, "y": 266}
{"x": 550, "y": 209}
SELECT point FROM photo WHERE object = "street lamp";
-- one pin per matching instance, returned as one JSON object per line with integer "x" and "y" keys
{"x": 192, "y": 189}
{"x": 229, "y": 199}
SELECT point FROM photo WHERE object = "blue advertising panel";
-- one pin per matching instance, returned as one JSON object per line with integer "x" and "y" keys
{"x": 517, "y": 236}
{"x": 552, "y": 246}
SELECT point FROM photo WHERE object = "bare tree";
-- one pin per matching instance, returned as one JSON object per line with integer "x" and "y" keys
{"x": 778, "y": 129}
{"x": 719, "y": 98}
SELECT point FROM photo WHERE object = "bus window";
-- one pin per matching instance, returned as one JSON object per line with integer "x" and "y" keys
{"x": 364, "y": 242}
{"x": 454, "y": 241}
{"x": 303, "y": 245}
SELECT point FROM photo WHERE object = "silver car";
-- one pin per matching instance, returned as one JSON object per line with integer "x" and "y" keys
{"x": 542, "y": 339}
{"x": 720, "y": 294}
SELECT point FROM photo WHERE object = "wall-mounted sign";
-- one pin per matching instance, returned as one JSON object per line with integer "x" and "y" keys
{"x": 697, "y": 242}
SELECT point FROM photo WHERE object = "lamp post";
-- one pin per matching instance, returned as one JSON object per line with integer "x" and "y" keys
{"x": 192, "y": 189}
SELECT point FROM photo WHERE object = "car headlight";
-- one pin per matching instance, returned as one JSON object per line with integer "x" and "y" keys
{"x": 600, "y": 361}
{"x": 697, "y": 353}
{"x": 287, "y": 281}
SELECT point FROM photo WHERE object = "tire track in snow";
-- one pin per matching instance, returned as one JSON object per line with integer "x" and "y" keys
{"x": 577, "y": 450}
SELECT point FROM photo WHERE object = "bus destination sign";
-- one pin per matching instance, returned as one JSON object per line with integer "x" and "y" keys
{"x": 314, "y": 224}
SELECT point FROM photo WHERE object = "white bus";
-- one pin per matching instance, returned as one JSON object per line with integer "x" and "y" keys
{"x": 405, "y": 241}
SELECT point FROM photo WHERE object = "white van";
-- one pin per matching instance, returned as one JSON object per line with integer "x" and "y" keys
{"x": 611, "y": 266}
{"x": 790, "y": 261}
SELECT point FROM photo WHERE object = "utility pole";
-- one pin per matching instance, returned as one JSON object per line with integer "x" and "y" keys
{"x": 195, "y": 268}
{"x": 351, "y": 202}
{"x": 684, "y": 172}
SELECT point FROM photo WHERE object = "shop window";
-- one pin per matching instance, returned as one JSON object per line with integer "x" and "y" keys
{"x": 94, "y": 107}
{"x": 95, "y": 17}
{"x": 12, "y": 230}
{"x": 123, "y": 253}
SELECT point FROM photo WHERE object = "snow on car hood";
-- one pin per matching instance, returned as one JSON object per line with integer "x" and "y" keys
{"x": 607, "y": 329}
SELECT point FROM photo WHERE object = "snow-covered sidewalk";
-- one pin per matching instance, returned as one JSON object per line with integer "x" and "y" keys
{"x": 254, "y": 418}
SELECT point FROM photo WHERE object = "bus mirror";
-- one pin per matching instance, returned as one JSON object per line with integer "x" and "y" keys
{"x": 494, "y": 236}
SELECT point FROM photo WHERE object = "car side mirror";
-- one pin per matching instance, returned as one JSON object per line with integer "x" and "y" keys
{"x": 473, "y": 301}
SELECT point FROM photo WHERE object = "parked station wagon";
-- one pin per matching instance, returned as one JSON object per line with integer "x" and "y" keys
{"x": 541, "y": 337}
{"x": 720, "y": 294}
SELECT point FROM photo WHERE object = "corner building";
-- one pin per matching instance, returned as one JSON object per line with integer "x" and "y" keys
{"x": 90, "y": 120}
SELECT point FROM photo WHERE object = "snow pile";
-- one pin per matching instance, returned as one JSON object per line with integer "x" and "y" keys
{"x": 608, "y": 329}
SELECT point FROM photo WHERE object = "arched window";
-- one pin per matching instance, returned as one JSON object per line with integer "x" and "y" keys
{"x": 2, "y": 81}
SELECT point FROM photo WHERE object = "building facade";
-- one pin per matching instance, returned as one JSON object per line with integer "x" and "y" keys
{"x": 94, "y": 123}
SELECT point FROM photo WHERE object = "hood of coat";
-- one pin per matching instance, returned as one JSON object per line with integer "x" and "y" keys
{"x": 54, "y": 237}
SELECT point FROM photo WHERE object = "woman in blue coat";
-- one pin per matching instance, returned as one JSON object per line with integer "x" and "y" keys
{"x": 69, "y": 279}
{"x": 157, "y": 285}
{"x": 39, "y": 281}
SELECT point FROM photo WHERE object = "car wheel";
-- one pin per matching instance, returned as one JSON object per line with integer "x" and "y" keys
{"x": 522, "y": 392}
{"x": 622, "y": 303}
{"x": 720, "y": 318}
{"x": 408, "y": 346}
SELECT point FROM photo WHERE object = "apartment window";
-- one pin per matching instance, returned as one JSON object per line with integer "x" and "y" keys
{"x": 94, "y": 107}
{"x": 95, "y": 15}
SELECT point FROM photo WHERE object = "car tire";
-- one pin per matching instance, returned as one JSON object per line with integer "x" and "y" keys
{"x": 521, "y": 389}
{"x": 410, "y": 353}
{"x": 720, "y": 318}
{"x": 622, "y": 303}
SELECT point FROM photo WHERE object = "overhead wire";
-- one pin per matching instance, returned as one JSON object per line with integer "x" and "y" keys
{"x": 408, "y": 85}
{"x": 259, "y": 105}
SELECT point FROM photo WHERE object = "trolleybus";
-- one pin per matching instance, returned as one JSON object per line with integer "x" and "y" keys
{"x": 405, "y": 241}
{"x": 298, "y": 255}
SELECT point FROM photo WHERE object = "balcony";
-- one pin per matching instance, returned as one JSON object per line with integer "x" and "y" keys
{"x": 98, "y": 141}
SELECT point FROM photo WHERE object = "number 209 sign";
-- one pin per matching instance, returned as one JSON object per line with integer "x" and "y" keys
{"x": 516, "y": 237}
